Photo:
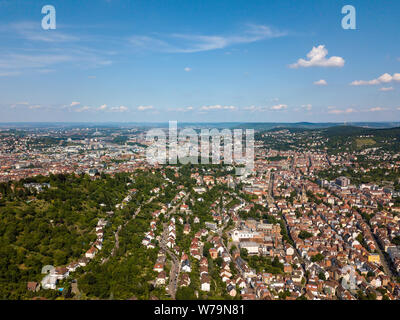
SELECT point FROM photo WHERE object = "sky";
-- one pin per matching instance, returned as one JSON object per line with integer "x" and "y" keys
{"x": 199, "y": 61}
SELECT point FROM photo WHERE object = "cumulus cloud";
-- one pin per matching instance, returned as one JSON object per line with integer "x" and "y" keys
{"x": 103, "y": 107}
{"x": 144, "y": 108}
{"x": 187, "y": 69}
{"x": 119, "y": 109}
{"x": 340, "y": 111}
{"x": 217, "y": 107}
{"x": 279, "y": 107}
{"x": 307, "y": 107}
{"x": 317, "y": 57}
{"x": 383, "y": 79}
{"x": 375, "y": 109}
{"x": 74, "y": 103}
{"x": 185, "y": 109}
{"x": 386, "y": 89}
{"x": 321, "y": 82}
{"x": 84, "y": 108}
{"x": 252, "y": 108}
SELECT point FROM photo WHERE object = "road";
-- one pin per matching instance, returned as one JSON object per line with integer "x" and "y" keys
{"x": 270, "y": 199}
{"x": 175, "y": 268}
{"x": 116, "y": 245}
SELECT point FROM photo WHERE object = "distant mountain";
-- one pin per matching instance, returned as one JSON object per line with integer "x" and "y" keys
{"x": 357, "y": 131}
{"x": 258, "y": 126}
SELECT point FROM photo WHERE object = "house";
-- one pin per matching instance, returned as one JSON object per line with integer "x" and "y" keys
{"x": 220, "y": 249}
{"x": 184, "y": 280}
{"x": 186, "y": 229}
{"x": 158, "y": 267}
{"x": 91, "y": 253}
{"x": 205, "y": 282}
{"x": 226, "y": 257}
{"x": 287, "y": 268}
{"x": 203, "y": 270}
{"x": 204, "y": 262}
{"x": 213, "y": 253}
{"x": 185, "y": 266}
{"x": 225, "y": 275}
{"x": 231, "y": 290}
{"x": 61, "y": 273}
{"x": 83, "y": 261}
{"x": 297, "y": 276}
{"x": 240, "y": 283}
{"x": 73, "y": 266}
{"x": 161, "y": 278}
{"x": 250, "y": 246}
{"x": 150, "y": 245}
{"x": 98, "y": 244}
{"x": 33, "y": 286}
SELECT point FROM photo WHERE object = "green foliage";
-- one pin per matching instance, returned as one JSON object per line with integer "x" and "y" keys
{"x": 54, "y": 228}
{"x": 318, "y": 257}
{"x": 305, "y": 235}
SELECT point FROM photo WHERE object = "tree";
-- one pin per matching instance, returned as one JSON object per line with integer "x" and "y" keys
{"x": 243, "y": 253}
{"x": 305, "y": 235}
{"x": 185, "y": 293}
{"x": 318, "y": 257}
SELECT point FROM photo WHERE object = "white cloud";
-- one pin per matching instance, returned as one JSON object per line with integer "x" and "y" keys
{"x": 84, "y": 108}
{"x": 103, "y": 107}
{"x": 375, "y": 109}
{"x": 386, "y": 89}
{"x": 217, "y": 107}
{"x": 279, "y": 107}
{"x": 252, "y": 108}
{"x": 307, "y": 107}
{"x": 74, "y": 103}
{"x": 321, "y": 82}
{"x": 144, "y": 108}
{"x": 31, "y": 31}
{"x": 340, "y": 111}
{"x": 185, "y": 109}
{"x": 190, "y": 43}
{"x": 187, "y": 69}
{"x": 35, "y": 107}
{"x": 119, "y": 109}
{"x": 385, "y": 78}
{"x": 317, "y": 58}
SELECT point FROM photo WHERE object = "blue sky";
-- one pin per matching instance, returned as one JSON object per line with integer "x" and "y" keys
{"x": 199, "y": 60}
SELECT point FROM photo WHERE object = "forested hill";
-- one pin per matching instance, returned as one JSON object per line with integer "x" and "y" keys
{"x": 333, "y": 139}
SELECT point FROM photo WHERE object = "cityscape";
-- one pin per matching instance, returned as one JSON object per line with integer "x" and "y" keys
{"x": 317, "y": 218}
{"x": 157, "y": 156}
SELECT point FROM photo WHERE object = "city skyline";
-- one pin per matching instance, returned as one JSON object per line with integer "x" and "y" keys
{"x": 135, "y": 61}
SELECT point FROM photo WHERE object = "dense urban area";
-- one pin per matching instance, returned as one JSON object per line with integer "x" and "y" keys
{"x": 84, "y": 215}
